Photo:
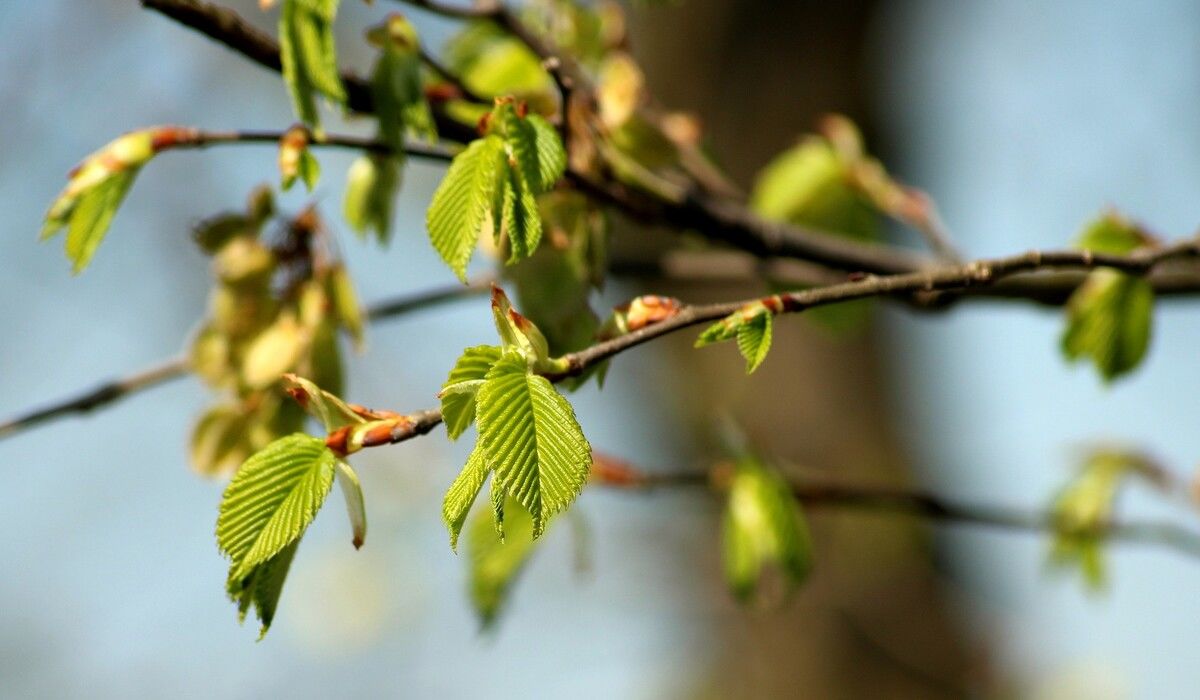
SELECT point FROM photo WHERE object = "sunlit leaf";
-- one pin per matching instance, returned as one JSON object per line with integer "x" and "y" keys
{"x": 1109, "y": 321}
{"x": 309, "y": 57}
{"x": 355, "y": 503}
{"x": 763, "y": 527}
{"x": 463, "y": 492}
{"x": 371, "y": 186}
{"x": 272, "y": 499}
{"x": 495, "y": 562}
{"x": 273, "y": 352}
{"x": 466, "y": 201}
{"x": 754, "y": 340}
{"x": 262, "y": 588}
{"x": 532, "y": 439}
{"x": 458, "y": 407}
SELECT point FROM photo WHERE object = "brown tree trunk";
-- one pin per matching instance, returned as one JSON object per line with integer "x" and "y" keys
{"x": 873, "y": 620}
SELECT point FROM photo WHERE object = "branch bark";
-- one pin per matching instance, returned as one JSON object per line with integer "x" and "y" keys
{"x": 177, "y": 367}
{"x": 926, "y": 505}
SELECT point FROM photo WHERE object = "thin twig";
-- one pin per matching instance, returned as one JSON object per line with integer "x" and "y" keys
{"x": 719, "y": 220}
{"x": 928, "y": 506}
{"x": 176, "y": 368}
{"x": 187, "y": 137}
{"x": 975, "y": 274}
{"x": 102, "y": 395}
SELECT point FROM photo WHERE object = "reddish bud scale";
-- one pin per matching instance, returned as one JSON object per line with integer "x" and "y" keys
{"x": 522, "y": 323}
{"x": 298, "y": 395}
{"x": 381, "y": 434}
{"x": 442, "y": 92}
{"x": 650, "y": 309}
{"x": 774, "y": 303}
{"x": 165, "y": 137}
{"x": 336, "y": 441}
{"x": 611, "y": 471}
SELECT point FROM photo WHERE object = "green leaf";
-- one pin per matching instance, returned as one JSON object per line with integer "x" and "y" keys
{"x": 532, "y": 438}
{"x": 272, "y": 352}
{"x": 1109, "y": 321}
{"x": 356, "y": 506}
{"x": 466, "y": 201}
{"x": 751, "y": 325}
{"x": 535, "y": 146}
{"x": 492, "y": 62}
{"x": 518, "y": 332}
{"x": 1084, "y": 507}
{"x": 463, "y": 492}
{"x": 344, "y": 301}
{"x": 554, "y": 284}
{"x": 1113, "y": 234}
{"x": 763, "y": 526}
{"x": 92, "y": 216}
{"x": 522, "y": 222}
{"x": 371, "y": 186}
{"x": 218, "y": 444}
{"x": 813, "y": 184}
{"x": 754, "y": 340}
{"x": 399, "y": 97}
{"x": 262, "y": 588}
{"x": 458, "y": 407}
{"x": 272, "y": 499}
{"x": 494, "y": 561}
{"x": 309, "y": 58}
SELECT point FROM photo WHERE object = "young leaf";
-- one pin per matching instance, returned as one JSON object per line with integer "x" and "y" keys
{"x": 371, "y": 186}
{"x": 262, "y": 588}
{"x": 492, "y": 62}
{"x": 344, "y": 299}
{"x": 535, "y": 145}
{"x": 295, "y": 160}
{"x": 322, "y": 405}
{"x": 554, "y": 284}
{"x": 751, "y": 326}
{"x": 495, "y": 561}
{"x": 218, "y": 444}
{"x": 522, "y": 222}
{"x": 466, "y": 201}
{"x": 96, "y": 187}
{"x": 532, "y": 439}
{"x": 516, "y": 331}
{"x": 272, "y": 499}
{"x": 396, "y": 83}
{"x": 763, "y": 526}
{"x": 458, "y": 407}
{"x": 1109, "y": 321}
{"x": 309, "y": 58}
{"x": 816, "y": 183}
{"x": 463, "y": 492}
{"x": 355, "y": 504}
{"x": 1083, "y": 508}
{"x": 754, "y": 340}
{"x": 1112, "y": 233}
{"x": 273, "y": 352}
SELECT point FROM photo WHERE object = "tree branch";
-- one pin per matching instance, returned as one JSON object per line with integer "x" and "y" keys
{"x": 176, "y": 368}
{"x": 181, "y": 138}
{"x": 104, "y": 394}
{"x": 720, "y": 220}
{"x": 915, "y": 503}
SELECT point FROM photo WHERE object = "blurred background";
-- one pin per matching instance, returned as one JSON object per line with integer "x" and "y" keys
{"x": 1022, "y": 118}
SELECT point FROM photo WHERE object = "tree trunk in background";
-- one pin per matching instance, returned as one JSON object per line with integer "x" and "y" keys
{"x": 874, "y": 620}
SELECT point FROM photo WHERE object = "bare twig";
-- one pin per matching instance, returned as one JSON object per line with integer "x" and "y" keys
{"x": 929, "y": 506}
{"x": 719, "y": 220}
{"x": 102, "y": 395}
{"x": 176, "y": 368}
{"x": 188, "y": 137}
